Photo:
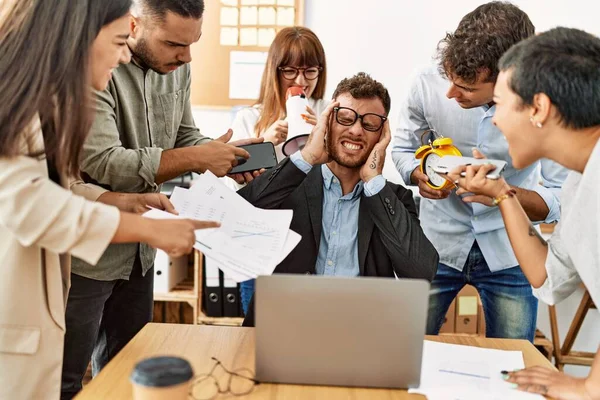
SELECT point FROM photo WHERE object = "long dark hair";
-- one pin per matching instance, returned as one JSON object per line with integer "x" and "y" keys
{"x": 44, "y": 56}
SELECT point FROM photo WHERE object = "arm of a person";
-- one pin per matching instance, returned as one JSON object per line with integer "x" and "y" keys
{"x": 592, "y": 384}
{"x": 530, "y": 248}
{"x": 395, "y": 216}
{"x": 407, "y": 137}
{"x": 542, "y": 204}
{"x": 87, "y": 190}
{"x": 105, "y": 159}
{"x": 270, "y": 189}
{"x": 39, "y": 212}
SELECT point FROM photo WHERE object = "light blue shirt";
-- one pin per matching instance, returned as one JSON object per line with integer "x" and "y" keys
{"x": 450, "y": 224}
{"x": 338, "y": 249}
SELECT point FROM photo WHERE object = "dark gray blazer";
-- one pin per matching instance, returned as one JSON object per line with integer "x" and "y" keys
{"x": 390, "y": 238}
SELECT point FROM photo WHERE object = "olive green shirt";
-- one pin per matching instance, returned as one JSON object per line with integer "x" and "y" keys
{"x": 139, "y": 115}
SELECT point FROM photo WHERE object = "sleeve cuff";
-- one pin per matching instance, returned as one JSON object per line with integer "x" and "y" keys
{"x": 550, "y": 197}
{"x": 150, "y": 163}
{"x": 300, "y": 162}
{"x": 88, "y": 190}
{"x": 374, "y": 186}
{"x": 405, "y": 164}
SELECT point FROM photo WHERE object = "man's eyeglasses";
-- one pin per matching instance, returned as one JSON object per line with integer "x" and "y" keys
{"x": 290, "y": 73}
{"x": 370, "y": 121}
{"x": 239, "y": 382}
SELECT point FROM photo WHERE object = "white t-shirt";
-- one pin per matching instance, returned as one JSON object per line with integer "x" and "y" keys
{"x": 246, "y": 119}
{"x": 574, "y": 247}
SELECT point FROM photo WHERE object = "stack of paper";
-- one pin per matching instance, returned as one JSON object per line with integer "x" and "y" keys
{"x": 455, "y": 372}
{"x": 250, "y": 241}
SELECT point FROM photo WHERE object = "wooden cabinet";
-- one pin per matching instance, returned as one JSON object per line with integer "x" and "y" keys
{"x": 173, "y": 306}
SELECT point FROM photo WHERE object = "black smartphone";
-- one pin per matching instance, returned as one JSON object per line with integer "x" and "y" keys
{"x": 262, "y": 155}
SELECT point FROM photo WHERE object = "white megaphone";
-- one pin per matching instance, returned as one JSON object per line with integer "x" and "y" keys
{"x": 298, "y": 129}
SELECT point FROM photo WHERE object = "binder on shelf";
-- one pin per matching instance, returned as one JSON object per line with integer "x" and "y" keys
{"x": 168, "y": 271}
{"x": 231, "y": 297}
{"x": 213, "y": 294}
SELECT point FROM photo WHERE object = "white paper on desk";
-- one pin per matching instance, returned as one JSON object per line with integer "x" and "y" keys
{"x": 467, "y": 372}
{"x": 467, "y": 393}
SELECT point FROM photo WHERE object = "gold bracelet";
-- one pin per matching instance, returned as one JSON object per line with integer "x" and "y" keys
{"x": 501, "y": 198}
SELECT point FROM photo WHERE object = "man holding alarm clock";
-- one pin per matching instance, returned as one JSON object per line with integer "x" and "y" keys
{"x": 454, "y": 100}
{"x": 352, "y": 221}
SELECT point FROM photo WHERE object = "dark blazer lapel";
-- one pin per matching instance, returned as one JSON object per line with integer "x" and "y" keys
{"x": 313, "y": 187}
{"x": 365, "y": 232}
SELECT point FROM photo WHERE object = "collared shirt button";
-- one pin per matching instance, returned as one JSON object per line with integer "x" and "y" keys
{"x": 329, "y": 262}
{"x": 333, "y": 233}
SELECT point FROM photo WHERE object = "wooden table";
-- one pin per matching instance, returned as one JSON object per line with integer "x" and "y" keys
{"x": 235, "y": 348}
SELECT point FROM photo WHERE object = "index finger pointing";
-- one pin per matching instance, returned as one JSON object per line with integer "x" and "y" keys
{"x": 204, "y": 224}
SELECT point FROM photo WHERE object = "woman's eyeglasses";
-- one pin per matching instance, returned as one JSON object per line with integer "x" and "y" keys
{"x": 370, "y": 121}
{"x": 291, "y": 73}
{"x": 239, "y": 382}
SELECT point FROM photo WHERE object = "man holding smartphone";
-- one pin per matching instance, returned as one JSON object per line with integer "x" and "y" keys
{"x": 455, "y": 99}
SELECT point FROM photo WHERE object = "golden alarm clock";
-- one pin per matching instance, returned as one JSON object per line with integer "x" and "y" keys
{"x": 437, "y": 147}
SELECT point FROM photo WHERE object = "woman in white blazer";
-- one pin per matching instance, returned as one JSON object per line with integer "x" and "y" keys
{"x": 51, "y": 51}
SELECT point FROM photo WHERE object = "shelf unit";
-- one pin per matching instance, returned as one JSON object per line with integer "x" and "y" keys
{"x": 190, "y": 291}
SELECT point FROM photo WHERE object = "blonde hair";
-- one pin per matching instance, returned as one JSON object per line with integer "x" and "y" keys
{"x": 295, "y": 46}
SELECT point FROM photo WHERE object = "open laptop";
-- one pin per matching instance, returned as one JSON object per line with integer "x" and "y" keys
{"x": 365, "y": 332}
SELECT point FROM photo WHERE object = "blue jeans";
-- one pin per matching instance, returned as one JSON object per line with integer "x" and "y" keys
{"x": 246, "y": 293}
{"x": 508, "y": 303}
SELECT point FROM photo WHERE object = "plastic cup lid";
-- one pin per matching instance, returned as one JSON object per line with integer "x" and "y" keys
{"x": 162, "y": 372}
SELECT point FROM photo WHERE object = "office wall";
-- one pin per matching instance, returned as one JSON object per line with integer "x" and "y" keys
{"x": 391, "y": 39}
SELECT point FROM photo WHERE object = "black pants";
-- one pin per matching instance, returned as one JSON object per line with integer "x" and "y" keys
{"x": 101, "y": 317}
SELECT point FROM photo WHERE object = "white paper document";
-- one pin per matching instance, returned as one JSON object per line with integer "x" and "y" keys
{"x": 250, "y": 241}
{"x": 455, "y": 372}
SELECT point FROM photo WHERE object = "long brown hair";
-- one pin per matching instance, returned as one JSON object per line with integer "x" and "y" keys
{"x": 44, "y": 56}
{"x": 292, "y": 46}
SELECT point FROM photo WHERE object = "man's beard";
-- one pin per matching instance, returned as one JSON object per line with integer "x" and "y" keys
{"x": 338, "y": 158}
{"x": 147, "y": 59}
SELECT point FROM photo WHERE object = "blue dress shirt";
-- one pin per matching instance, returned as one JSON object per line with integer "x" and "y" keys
{"x": 450, "y": 224}
{"x": 338, "y": 248}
